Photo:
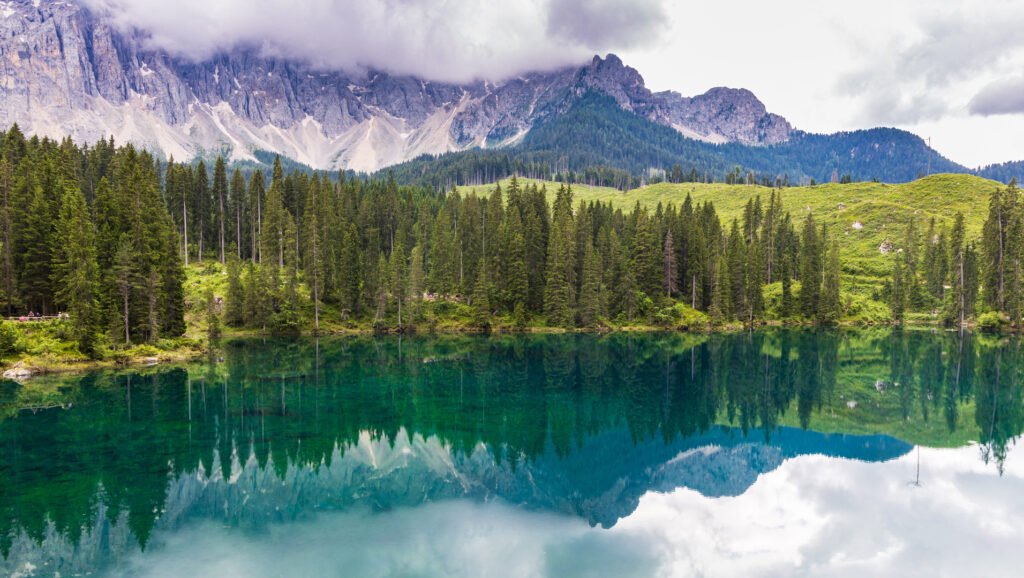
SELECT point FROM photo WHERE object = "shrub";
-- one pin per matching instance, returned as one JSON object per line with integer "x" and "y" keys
{"x": 992, "y": 320}
{"x": 9, "y": 339}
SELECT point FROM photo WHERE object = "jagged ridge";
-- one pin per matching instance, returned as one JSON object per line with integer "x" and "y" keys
{"x": 68, "y": 72}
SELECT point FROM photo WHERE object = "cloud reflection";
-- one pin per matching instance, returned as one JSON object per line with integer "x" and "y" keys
{"x": 814, "y": 515}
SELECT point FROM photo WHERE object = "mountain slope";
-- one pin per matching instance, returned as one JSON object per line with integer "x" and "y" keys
{"x": 70, "y": 72}
{"x": 595, "y": 131}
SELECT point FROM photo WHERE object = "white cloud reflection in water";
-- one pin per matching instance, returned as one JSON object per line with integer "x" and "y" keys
{"x": 812, "y": 516}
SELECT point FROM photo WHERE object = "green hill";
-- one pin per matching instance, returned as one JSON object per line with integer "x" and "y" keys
{"x": 881, "y": 209}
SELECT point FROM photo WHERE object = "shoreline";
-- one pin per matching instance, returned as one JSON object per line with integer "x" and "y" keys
{"x": 25, "y": 369}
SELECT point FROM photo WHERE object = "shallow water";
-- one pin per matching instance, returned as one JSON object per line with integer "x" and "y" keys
{"x": 845, "y": 452}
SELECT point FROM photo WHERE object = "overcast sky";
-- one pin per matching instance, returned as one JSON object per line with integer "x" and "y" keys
{"x": 949, "y": 69}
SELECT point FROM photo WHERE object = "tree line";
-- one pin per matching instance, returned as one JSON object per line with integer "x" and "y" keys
{"x": 295, "y": 405}
{"x": 84, "y": 231}
{"x": 103, "y": 232}
{"x": 959, "y": 278}
{"x": 376, "y": 250}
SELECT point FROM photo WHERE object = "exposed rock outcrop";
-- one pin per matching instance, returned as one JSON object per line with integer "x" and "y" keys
{"x": 65, "y": 71}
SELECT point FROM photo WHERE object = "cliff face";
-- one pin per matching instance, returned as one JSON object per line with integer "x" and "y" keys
{"x": 65, "y": 71}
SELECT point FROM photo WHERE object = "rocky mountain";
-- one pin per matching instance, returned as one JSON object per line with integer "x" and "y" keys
{"x": 68, "y": 71}
{"x": 378, "y": 474}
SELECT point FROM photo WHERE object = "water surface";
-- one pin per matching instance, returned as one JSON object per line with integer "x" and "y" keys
{"x": 765, "y": 453}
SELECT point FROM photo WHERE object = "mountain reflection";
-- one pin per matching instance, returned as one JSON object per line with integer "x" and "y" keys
{"x": 578, "y": 424}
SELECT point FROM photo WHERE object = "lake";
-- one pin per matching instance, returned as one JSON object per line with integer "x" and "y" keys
{"x": 775, "y": 452}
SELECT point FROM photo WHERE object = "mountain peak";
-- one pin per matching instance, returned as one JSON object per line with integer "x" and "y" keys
{"x": 70, "y": 72}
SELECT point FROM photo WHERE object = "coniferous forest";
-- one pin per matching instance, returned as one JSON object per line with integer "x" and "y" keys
{"x": 101, "y": 236}
{"x": 103, "y": 233}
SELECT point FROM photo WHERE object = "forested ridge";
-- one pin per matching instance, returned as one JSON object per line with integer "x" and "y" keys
{"x": 596, "y": 142}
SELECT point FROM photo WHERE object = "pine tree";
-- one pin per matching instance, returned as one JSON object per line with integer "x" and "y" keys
{"x": 995, "y": 263}
{"x": 720, "y": 309}
{"x": 960, "y": 302}
{"x": 257, "y": 198}
{"x": 647, "y": 256}
{"x": 378, "y": 282}
{"x": 399, "y": 277}
{"x": 829, "y": 306}
{"x": 910, "y": 258}
{"x": 590, "y": 290}
{"x": 517, "y": 282}
{"x": 289, "y": 315}
{"x": 125, "y": 279}
{"x": 350, "y": 273}
{"x": 273, "y": 242}
{"x": 212, "y": 319}
{"x": 670, "y": 270}
{"x": 558, "y": 292}
{"x": 75, "y": 270}
{"x": 6, "y": 233}
{"x": 315, "y": 247}
{"x": 735, "y": 253}
{"x": 36, "y": 249}
{"x": 480, "y": 301}
{"x": 416, "y": 276}
{"x": 810, "y": 267}
{"x": 234, "y": 308}
{"x": 754, "y": 272}
{"x": 220, "y": 195}
{"x": 237, "y": 205}
{"x": 201, "y": 209}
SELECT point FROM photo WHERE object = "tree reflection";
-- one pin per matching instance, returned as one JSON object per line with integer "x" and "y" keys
{"x": 294, "y": 403}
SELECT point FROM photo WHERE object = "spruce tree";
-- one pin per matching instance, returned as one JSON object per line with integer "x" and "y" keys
{"x": 350, "y": 273}
{"x": 480, "y": 301}
{"x": 220, "y": 196}
{"x": 994, "y": 262}
{"x": 590, "y": 290}
{"x": 125, "y": 278}
{"x": 810, "y": 267}
{"x": 959, "y": 303}
{"x": 735, "y": 253}
{"x": 647, "y": 256}
{"x": 829, "y": 306}
{"x": 669, "y": 267}
{"x": 910, "y": 258}
{"x": 416, "y": 277}
{"x": 754, "y": 272}
{"x": 75, "y": 270}
{"x": 234, "y": 308}
{"x": 399, "y": 285}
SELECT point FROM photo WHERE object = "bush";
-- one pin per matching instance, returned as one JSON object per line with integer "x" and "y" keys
{"x": 9, "y": 339}
{"x": 992, "y": 320}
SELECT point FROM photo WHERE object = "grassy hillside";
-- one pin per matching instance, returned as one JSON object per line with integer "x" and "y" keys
{"x": 883, "y": 209}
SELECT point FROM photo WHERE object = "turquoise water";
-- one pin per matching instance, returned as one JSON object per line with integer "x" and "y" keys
{"x": 773, "y": 452}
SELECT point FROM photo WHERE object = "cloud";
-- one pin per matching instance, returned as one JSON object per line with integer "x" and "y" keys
{"x": 437, "y": 39}
{"x": 1000, "y": 97}
{"x": 618, "y": 22}
{"x": 919, "y": 71}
